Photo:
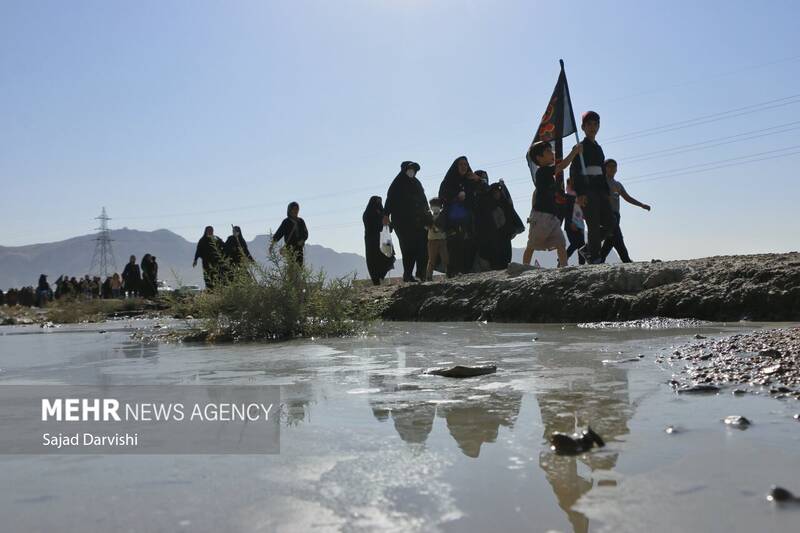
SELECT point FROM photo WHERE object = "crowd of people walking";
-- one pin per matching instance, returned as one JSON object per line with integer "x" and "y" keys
{"x": 469, "y": 226}
{"x": 137, "y": 280}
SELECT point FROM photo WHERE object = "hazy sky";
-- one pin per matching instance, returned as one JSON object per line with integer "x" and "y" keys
{"x": 180, "y": 114}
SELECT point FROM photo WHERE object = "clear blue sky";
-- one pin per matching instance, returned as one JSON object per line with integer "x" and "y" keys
{"x": 181, "y": 114}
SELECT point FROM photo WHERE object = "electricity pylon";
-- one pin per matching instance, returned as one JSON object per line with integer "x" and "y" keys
{"x": 103, "y": 256}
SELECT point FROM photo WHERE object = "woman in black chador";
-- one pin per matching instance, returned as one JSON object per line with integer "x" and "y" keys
{"x": 459, "y": 191}
{"x": 132, "y": 278}
{"x": 293, "y": 231}
{"x": 378, "y": 264}
{"x": 149, "y": 276}
{"x": 209, "y": 249}
{"x": 407, "y": 206}
{"x": 496, "y": 223}
{"x": 235, "y": 250}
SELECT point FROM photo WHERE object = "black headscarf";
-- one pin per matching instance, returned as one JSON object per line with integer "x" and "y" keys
{"x": 405, "y": 201}
{"x": 292, "y": 205}
{"x": 453, "y": 182}
{"x": 373, "y": 216}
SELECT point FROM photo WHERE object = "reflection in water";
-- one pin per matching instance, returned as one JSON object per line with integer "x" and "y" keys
{"x": 600, "y": 400}
{"x": 139, "y": 350}
{"x": 471, "y": 422}
{"x": 296, "y": 401}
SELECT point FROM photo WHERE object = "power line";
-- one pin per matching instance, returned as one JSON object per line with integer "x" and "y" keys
{"x": 706, "y": 119}
{"x": 744, "y": 136}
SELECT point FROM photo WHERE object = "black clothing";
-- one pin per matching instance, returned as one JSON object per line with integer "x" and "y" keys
{"x": 407, "y": 205}
{"x": 576, "y": 240}
{"x": 460, "y": 217}
{"x": 378, "y": 264}
{"x": 132, "y": 278}
{"x": 414, "y": 249}
{"x": 235, "y": 250}
{"x": 546, "y": 189}
{"x": 405, "y": 201}
{"x": 210, "y": 249}
{"x": 294, "y": 233}
{"x": 597, "y": 213}
{"x": 496, "y": 223}
{"x": 600, "y": 222}
{"x": 617, "y": 242}
{"x": 149, "y": 278}
{"x": 593, "y": 157}
{"x": 453, "y": 183}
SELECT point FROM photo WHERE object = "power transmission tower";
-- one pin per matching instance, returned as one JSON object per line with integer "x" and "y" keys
{"x": 103, "y": 256}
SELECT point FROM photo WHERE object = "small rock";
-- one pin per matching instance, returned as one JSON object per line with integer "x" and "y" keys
{"x": 771, "y": 369}
{"x": 564, "y": 444}
{"x": 461, "y": 371}
{"x": 670, "y": 430}
{"x": 736, "y": 421}
{"x": 779, "y": 494}
{"x": 797, "y": 417}
{"x": 618, "y": 361}
{"x": 698, "y": 336}
{"x": 699, "y": 389}
{"x": 738, "y": 392}
{"x": 770, "y": 352}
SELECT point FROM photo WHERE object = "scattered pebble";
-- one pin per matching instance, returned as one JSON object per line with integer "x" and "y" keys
{"x": 670, "y": 430}
{"x": 767, "y": 358}
{"x": 736, "y": 421}
{"x": 779, "y": 494}
{"x": 461, "y": 371}
{"x": 648, "y": 323}
{"x": 698, "y": 389}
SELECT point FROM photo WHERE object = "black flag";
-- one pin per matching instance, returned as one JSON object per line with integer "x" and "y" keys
{"x": 558, "y": 120}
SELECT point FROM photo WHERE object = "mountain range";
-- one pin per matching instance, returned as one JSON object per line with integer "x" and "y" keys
{"x": 22, "y": 265}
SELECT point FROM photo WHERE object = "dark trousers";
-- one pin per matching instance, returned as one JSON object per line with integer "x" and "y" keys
{"x": 576, "y": 241}
{"x": 600, "y": 222}
{"x": 414, "y": 249}
{"x": 617, "y": 242}
{"x": 455, "y": 251}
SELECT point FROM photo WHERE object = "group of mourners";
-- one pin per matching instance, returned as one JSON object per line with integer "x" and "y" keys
{"x": 221, "y": 260}
{"x": 469, "y": 226}
{"x": 136, "y": 281}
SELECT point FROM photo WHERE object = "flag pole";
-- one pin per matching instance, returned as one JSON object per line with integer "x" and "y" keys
{"x": 572, "y": 112}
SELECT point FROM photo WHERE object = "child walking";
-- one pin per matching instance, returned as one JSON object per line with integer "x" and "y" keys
{"x": 545, "y": 231}
{"x": 437, "y": 241}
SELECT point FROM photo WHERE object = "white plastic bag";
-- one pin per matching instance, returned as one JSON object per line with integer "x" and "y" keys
{"x": 387, "y": 248}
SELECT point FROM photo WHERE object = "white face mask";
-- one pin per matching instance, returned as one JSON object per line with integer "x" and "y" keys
{"x": 410, "y": 172}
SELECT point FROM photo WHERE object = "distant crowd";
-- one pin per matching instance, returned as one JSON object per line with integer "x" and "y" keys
{"x": 137, "y": 280}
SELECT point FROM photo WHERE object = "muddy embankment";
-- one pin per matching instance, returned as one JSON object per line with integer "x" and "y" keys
{"x": 727, "y": 288}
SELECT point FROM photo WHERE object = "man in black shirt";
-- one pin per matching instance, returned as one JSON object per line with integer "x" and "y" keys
{"x": 592, "y": 189}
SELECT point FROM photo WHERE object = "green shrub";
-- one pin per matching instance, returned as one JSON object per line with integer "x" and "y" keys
{"x": 280, "y": 300}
